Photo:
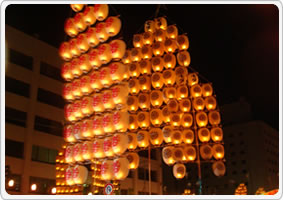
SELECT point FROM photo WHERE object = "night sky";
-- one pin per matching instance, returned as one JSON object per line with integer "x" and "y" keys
{"x": 236, "y": 47}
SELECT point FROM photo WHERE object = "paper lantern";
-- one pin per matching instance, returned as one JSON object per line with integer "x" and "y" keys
{"x": 76, "y": 71}
{"x": 158, "y": 49}
{"x": 70, "y": 28}
{"x": 160, "y": 23}
{"x": 118, "y": 49}
{"x": 201, "y": 118}
{"x": 133, "y": 141}
{"x": 185, "y": 105}
{"x": 66, "y": 72}
{"x": 97, "y": 103}
{"x": 192, "y": 79}
{"x": 97, "y": 126}
{"x": 218, "y": 168}
{"x": 184, "y": 58}
{"x": 173, "y": 105}
{"x": 121, "y": 168}
{"x": 146, "y": 52}
{"x": 157, "y": 64}
{"x": 101, "y": 33}
{"x": 121, "y": 121}
{"x": 69, "y": 113}
{"x": 105, "y": 77}
{"x": 73, "y": 47}
{"x": 127, "y": 57}
{"x": 97, "y": 148}
{"x": 207, "y": 89}
{"x": 77, "y": 7}
{"x": 149, "y": 26}
{"x": 95, "y": 83}
{"x": 188, "y": 136}
{"x": 134, "y": 69}
{"x": 93, "y": 58}
{"x": 183, "y": 42}
{"x": 107, "y": 100}
{"x": 132, "y": 103}
{"x": 167, "y": 134}
{"x": 113, "y": 26}
{"x": 172, "y": 31}
{"x": 157, "y": 80}
{"x": 170, "y": 93}
{"x": 134, "y": 86}
{"x": 198, "y": 103}
{"x": 120, "y": 143}
{"x": 79, "y": 22}
{"x": 87, "y": 150}
{"x": 77, "y": 152}
{"x": 68, "y": 134}
{"x": 181, "y": 71}
{"x": 117, "y": 70}
{"x": 216, "y": 134}
{"x": 143, "y": 101}
{"x": 107, "y": 123}
{"x": 77, "y": 109}
{"x": 138, "y": 40}
{"x": 179, "y": 170}
{"x": 133, "y": 122}
{"x": 190, "y": 153}
{"x": 167, "y": 155}
{"x": 107, "y": 147}
{"x": 166, "y": 114}
{"x": 120, "y": 94}
{"x": 187, "y": 120}
{"x": 210, "y": 103}
{"x": 169, "y": 77}
{"x": 204, "y": 134}
{"x": 196, "y": 91}
{"x": 156, "y": 117}
{"x": 84, "y": 63}
{"x": 143, "y": 120}
{"x": 155, "y": 136}
{"x": 107, "y": 172}
{"x": 91, "y": 37}
{"x": 145, "y": 67}
{"x": 218, "y": 151}
{"x": 170, "y": 45}
{"x": 88, "y": 15}
{"x": 101, "y": 11}
{"x": 86, "y": 106}
{"x": 69, "y": 176}
{"x": 85, "y": 85}
{"x": 160, "y": 35}
{"x": 104, "y": 53}
{"x": 133, "y": 159}
{"x": 156, "y": 98}
{"x": 175, "y": 119}
{"x": 206, "y": 151}
{"x": 145, "y": 83}
{"x": 86, "y": 129}
{"x": 169, "y": 61}
{"x": 69, "y": 154}
{"x": 177, "y": 137}
{"x": 67, "y": 92}
{"x": 76, "y": 90}
{"x": 214, "y": 118}
{"x": 182, "y": 92}
{"x": 135, "y": 54}
{"x": 148, "y": 38}
{"x": 143, "y": 139}
{"x": 179, "y": 154}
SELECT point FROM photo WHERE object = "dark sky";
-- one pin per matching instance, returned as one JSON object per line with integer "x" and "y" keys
{"x": 236, "y": 47}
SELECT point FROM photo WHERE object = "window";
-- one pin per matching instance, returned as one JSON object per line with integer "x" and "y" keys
{"x": 14, "y": 148}
{"x": 48, "y": 126}
{"x": 50, "y": 98}
{"x": 50, "y": 71}
{"x": 43, "y": 185}
{"x": 42, "y": 154}
{"x": 144, "y": 153}
{"x": 131, "y": 174}
{"x": 124, "y": 192}
{"x": 16, "y": 117}
{"x": 17, "y": 185}
{"x": 20, "y": 59}
{"x": 17, "y": 87}
{"x": 143, "y": 174}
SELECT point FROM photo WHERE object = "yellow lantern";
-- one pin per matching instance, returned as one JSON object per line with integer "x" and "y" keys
{"x": 118, "y": 49}
{"x": 66, "y": 72}
{"x": 133, "y": 159}
{"x": 196, "y": 91}
{"x": 97, "y": 126}
{"x": 69, "y": 177}
{"x": 188, "y": 136}
{"x": 217, "y": 134}
{"x": 144, "y": 102}
{"x": 181, "y": 71}
{"x": 156, "y": 117}
{"x": 77, "y": 109}
{"x": 136, "y": 54}
{"x": 183, "y": 42}
{"x": 169, "y": 77}
{"x": 146, "y": 52}
{"x": 185, "y": 105}
{"x": 107, "y": 172}
{"x": 88, "y": 15}
{"x": 201, "y": 118}
{"x": 105, "y": 77}
{"x": 127, "y": 57}
{"x": 145, "y": 83}
{"x": 148, "y": 38}
{"x": 97, "y": 148}
{"x": 179, "y": 170}
{"x": 65, "y": 51}
{"x": 107, "y": 100}
{"x": 218, "y": 168}
{"x": 84, "y": 63}
{"x": 190, "y": 153}
{"x": 160, "y": 35}
{"x": 86, "y": 106}
{"x": 170, "y": 45}
{"x": 91, "y": 37}
{"x": 69, "y": 154}
{"x": 214, "y": 117}
{"x": 149, "y": 26}
{"x": 175, "y": 119}
{"x": 121, "y": 121}
{"x": 132, "y": 103}
{"x": 86, "y": 129}
{"x": 87, "y": 150}
{"x": 101, "y": 33}
{"x": 204, "y": 135}
{"x": 157, "y": 80}
{"x": 192, "y": 79}
{"x": 167, "y": 134}
{"x": 69, "y": 112}
{"x": 158, "y": 48}
{"x": 173, "y": 105}
{"x": 76, "y": 90}
{"x": 157, "y": 64}
{"x": 97, "y": 103}
{"x": 104, "y": 53}
{"x": 218, "y": 151}
{"x": 166, "y": 114}
{"x": 206, "y": 151}
{"x": 76, "y": 71}
{"x": 170, "y": 93}
{"x": 179, "y": 154}
{"x": 68, "y": 134}
{"x": 210, "y": 103}
{"x": 133, "y": 141}
{"x": 77, "y": 152}
{"x": 70, "y": 28}
{"x": 169, "y": 61}
{"x": 120, "y": 143}
{"x": 143, "y": 139}
{"x": 120, "y": 94}
{"x": 172, "y": 32}
{"x": 121, "y": 168}
{"x": 182, "y": 92}
{"x": 107, "y": 123}
{"x": 160, "y": 23}
{"x": 133, "y": 122}
{"x": 156, "y": 98}
{"x": 107, "y": 147}
{"x": 137, "y": 40}
{"x": 85, "y": 85}
{"x": 207, "y": 89}
{"x": 155, "y": 136}
{"x": 77, "y": 7}
{"x": 134, "y": 86}
{"x": 167, "y": 155}
{"x": 93, "y": 58}
{"x": 134, "y": 69}
{"x": 177, "y": 137}
{"x": 113, "y": 26}
{"x": 143, "y": 120}
{"x": 184, "y": 58}
{"x": 145, "y": 67}
{"x": 94, "y": 81}
{"x": 67, "y": 92}
{"x": 198, "y": 103}
{"x": 101, "y": 11}
{"x": 187, "y": 120}
{"x": 79, "y": 22}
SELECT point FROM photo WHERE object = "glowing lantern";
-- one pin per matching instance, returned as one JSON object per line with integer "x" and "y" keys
{"x": 101, "y": 33}
{"x": 166, "y": 114}
{"x": 117, "y": 70}
{"x": 120, "y": 94}
{"x": 183, "y": 42}
{"x": 149, "y": 26}
{"x": 160, "y": 35}
{"x": 144, "y": 102}
{"x": 207, "y": 89}
{"x": 185, "y": 105}
{"x": 97, "y": 126}
{"x": 179, "y": 154}
{"x": 156, "y": 117}
{"x": 76, "y": 90}
{"x": 146, "y": 52}
{"x": 88, "y": 15}
{"x": 145, "y": 67}
{"x": 95, "y": 83}
{"x": 157, "y": 80}
{"x": 66, "y": 72}
{"x": 77, "y": 152}
{"x": 77, "y": 7}
{"x": 204, "y": 134}
{"x": 136, "y": 54}
{"x": 67, "y": 92}
{"x": 74, "y": 50}
{"x": 107, "y": 100}
{"x": 137, "y": 40}
{"x": 184, "y": 58}
{"x": 104, "y": 76}
{"x": 97, "y": 148}
{"x": 107, "y": 123}
{"x": 86, "y": 106}
{"x": 69, "y": 112}
{"x": 167, "y": 155}
{"x": 214, "y": 117}
{"x": 120, "y": 143}
{"x": 121, "y": 121}
{"x": 155, "y": 136}
{"x": 113, "y": 26}
{"x": 104, "y": 53}
{"x": 121, "y": 168}
{"x": 170, "y": 93}
{"x": 97, "y": 103}
{"x": 133, "y": 159}
{"x": 188, "y": 136}
{"x": 192, "y": 79}
{"x": 101, "y": 11}
{"x": 132, "y": 103}
{"x": 77, "y": 109}
{"x": 177, "y": 137}
{"x": 87, "y": 150}
{"x": 198, "y": 103}
{"x": 70, "y": 28}
{"x": 148, "y": 38}
{"x": 68, "y": 134}
{"x": 201, "y": 118}
{"x": 69, "y": 154}
{"x": 206, "y": 152}
{"x": 156, "y": 98}
{"x": 210, "y": 103}
{"x": 187, "y": 120}
{"x": 107, "y": 172}
{"x": 143, "y": 139}
{"x": 133, "y": 123}
{"x": 64, "y": 51}
{"x": 218, "y": 168}
{"x": 76, "y": 71}
{"x": 175, "y": 119}
{"x": 143, "y": 120}
{"x": 107, "y": 147}
{"x": 85, "y": 85}
{"x": 134, "y": 86}
{"x": 160, "y": 23}
{"x": 181, "y": 72}
{"x": 145, "y": 83}
{"x": 93, "y": 58}
{"x": 91, "y": 37}
{"x": 169, "y": 61}
{"x": 127, "y": 57}
{"x": 173, "y": 105}
{"x": 133, "y": 141}
{"x": 172, "y": 31}
{"x": 167, "y": 134}
{"x": 169, "y": 77}
{"x": 158, "y": 48}
{"x": 182, "y": 92}
{"x": 69, "y": 176}
{"x": 170, "y": 45}
{"x": 86, "y": 129}
{"x": 84, "y": 63}
{"x": 134, "y": 69}
{"x": 190, "y": 153}
{"x": 179, "y": 170}
{"x": 218, "y": 151}
{"x": 216, "y": 134}
{"x": 79, "y": 22}
{"x": 118, "y": 49}
{"x": 196, "y": 91}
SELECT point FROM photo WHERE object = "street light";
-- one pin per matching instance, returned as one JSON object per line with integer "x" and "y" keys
{"x": 33, "y": 187}
{"x": 11, "y": 183}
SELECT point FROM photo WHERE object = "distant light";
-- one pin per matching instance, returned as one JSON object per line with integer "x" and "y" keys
{"x": 53, "y": 191}
{"x": 11, "y": 183}
{"x": 33, "y": 187}
{"x": 89, "y": 193}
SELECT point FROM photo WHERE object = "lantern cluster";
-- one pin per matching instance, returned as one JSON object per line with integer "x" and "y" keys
{"x": 241, "y": 189}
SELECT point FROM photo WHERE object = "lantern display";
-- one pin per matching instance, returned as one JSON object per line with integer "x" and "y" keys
{"x": 196, "y": 91}
{"x": 101, "y": 33}
{"x": 214, "y": 117}
{"x": 134, "y": 86}
{"x": 69, "y": 176}
{"x": 86, "y": 106}
{"x": 173, "y": 105}
{"x": 207, "y": 90}
{"x": 118, "y": 49}
{"x": 76, "y": 90}
{"x": 210, "y": 103}
{"x": 84, "y": 63}
{"x": 77, "y": 109}
{"x": 82, "y": 43}
{"x": 206, "y": 151}
{"x": 167, "y": 134}
{"x": 218, "y": 168}
{"x": 87, "y": 150}
{"x": 101, "y": 11}
{"x": 136, "y": 54}
{"x": 117, "y": 70}
{"x": 160, "y": 23}
{"x": 67, "y": 92}
{"x": 68, "y": 134}
{"x": 105, "y": 77}
{"x": 167, "y": 155}
{"x": 79, "y": 22}
{"x": 88, "y": 15}
{"x": 120, "y": 94}
{"x": 93, "y": 58}
{"x": 69, "y": 112}
{"x": 190, "y": 153}
{"x": 169, "y": 61}
{"x": 172, "y": 32}
{"x": 121, "y": 121}
{"x": 113, "y": 26}
{"x": 133, "y": 122}
{"x": 202, "y": 119}
{"x": 184, "y": 58}
{"x": 158, "y": 48}
{"x": 148, "y": 38}
{"x": 155, "y": 136}
{"x": 66, "y": 72}
{"x": 97, "y": 103}
{"x": 77, "y": 7}
{"x": 182, "y": 92}
{"x": 146, "y": 52}
{"x": 187, "y": 120}
{"x": 169, "y": 77}
{"x": 86, "y": 129}
{"x": 70, "y": 28}
{"x": 157, "y": 80}
{"x": 107, "y": 172}
{"x": 218, "y": 151}
{"x": 143, "y": 120}
{"x": 77, "y": 152}
{"x": 133, "y": 159}
{"x": 95, "y": 83}
{"x": 77, "y": 131}
{"x": 188, "y": 136}
{"x": 145, "y": 67}
{"x": 97, "y": 126}
{"x": 121, "y": 168}
{"x": 137, "y": 40}
{"x": 170, "y": 45}
{"x": 73, "y": 47}
{"x": 91, "y": 37}
{"x": 156, "y": 117}
{"x": 134, "y": 69}
{"x": 107, "y": 147}
{"x": 149, "y": 26}
{"x": 85, "y": 85}
{"x": 160, "y": 35}
{"x": 170, "y": 93}
{"x": 127, "y": 57}
{"x": 216, "y": 134}
{"x": 177, "y": 137}
{"x": 179, "y": 170}
{"x": 192, "y": 79}
{"x": 175, "y": 119}
{"x": 120, "y": 143}
{"x": 179, "y": 154}
{"x": 107, "y": 100}
{"x": 145, "y": 83}
{"x": 143, "y": 101}
{"x": 69, "y": 154}
{"x": 143, "y": 139}
{"x": 166, "y": 114}
{"x": 133, "y": 141}
{"x": 97, "y": 148}
{"x": 76, "y": 71}
{"x": 204, "y": 134}
{"x": 107, "y": 123}
{"x": 183, "y": 42}
{"x": 132, "y": 103}
{"x": 104, "y": 53}
{"x": 198, "y": 103}
{"x": 185, "y": 105}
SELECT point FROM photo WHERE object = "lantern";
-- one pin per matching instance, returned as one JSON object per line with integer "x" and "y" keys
{"x": 187, "y": 120}
{"x": 160, "y": 23}
{"x": 160, "y": 36}
{"x": 157, "y": 80}
{"x": 181, "y": 71}
{"x": 190, "y": 153}
{"x": 133, "y": 159}
{"x": 77, "y": 152}
{"x": 204, "y": 134}
{"x": 79, "y": 22}
{"x": 121, "y": 168}
{"x": 104, "y": 53}
{"x": 107, "y": 147}
{"x": 101, "y": 11}
{"x": 172, "y": 31}
{"x": 77, "y": 109}
{"x": 216, "y": 134}
{"x": 76, "y": 71}
{"x": 97, "y": 148}
{"x": 143, "y": 120}
{"x": 133, "y": 122}
{"x": 86, "y": 129}
{"x": 134, "y": 86}
{"x": 144, "y": 102}
{"x": 183, "y": 42}
{"x": 179, "y": 171}
{"x": 66, "y": 72}
{"x": 167, "y": 134}
{"x": 206, "y": 151}
{"x": 87, "y": 150}
{"x": 107, "y": 172}
{"x": 88, "y": 15}
{"x": 69, "y": 112}
{"x": 94, "y": 60}
{"x": 118, "y": 49}
{"x": 137, "y": 40}
{"x": 170, "y": 45}
{"x": 175, "y": 119}
{"x": 169, "y": 77}
{"x": 67, "y": 92}
{"x": 127, "y": 57}
{"x": 196, "y": 91}
{"x": 156, "y": 98}
{"x": 143, "y": 139}
{"x": 120, "y": 143}
{"x": 104, "y": 76}
{"x": 77, "y": 7}
{"x": 107, "y": 100}
{"x": 107, "y": 123}
{"x": 76, "y": 90}
{"x": 192, "y": 79}
{"x": 97, "y": 126}
{"x": 179, "y": 154}
{"x": 126, "y": 73}
{"x": 158, "y": 49}
{"x": 173, "y": 105}
{"x": 113, "y": 26}
{"x": 68, "y": 134}
{"x": 69, "y": 154}
{"x": 170, "y": 93}
{"x": 95, "y": 83}
{"x": 70, "y": 28}
{"x": 84, "y": 63}
{"x": 91, "y": 37}
{"x": 121, "y": 121}
{"x": 145, "y": 67}
{"x": 185, "y": 105}
{"x": 155, "y": 136}
{"x": 198, "y": 103}
{"x": 132, "y": 103}
{"x": 214, "y": 117}
{"x": 201, "y": 118}
{"x": 117, "y": 70}
{"x": 156, "y": 117}
{"x": 207, "y": 89}
{"x": 149, "y": 26}
{"x": 148, "y": 38}
{"x": 177, "y": 137}
{"x": 85, "y": 85}
{"x": 69, "y": 177}
{"x": 145, "y": 83}
{"x": 146, "y": 52}
{"x": 101, "y": 33}
{"x": 169, "y": 61}
{"x": 97, "y": 103}
{"x": 210, "y": 103}
{"x": 182, "y": 92}
{"x": 136, "y": 54}
{"x": 167, "y": 155}
{"x": 218, "y": 168}
{"x": 120, "y": 94}
{"x": 184, "y": 58}
{"x": 73, "y": 47}
{"x": 166, "y": 114}
{"x": 134, "y": 69}
{"x": 133, "y": 141}
{"x": 188, "y": 136}
{"x": 218, "y": 151}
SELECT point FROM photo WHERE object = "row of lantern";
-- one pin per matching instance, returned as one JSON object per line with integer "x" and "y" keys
{"x": 68, "y": 189}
